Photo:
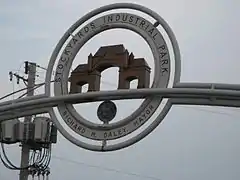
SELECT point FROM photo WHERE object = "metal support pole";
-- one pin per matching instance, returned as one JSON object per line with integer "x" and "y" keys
{"x": 25, "y": 148}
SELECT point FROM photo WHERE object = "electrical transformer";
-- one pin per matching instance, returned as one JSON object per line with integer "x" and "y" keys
{"x": 42, "y": 130}
{"x": 8, "y": 131}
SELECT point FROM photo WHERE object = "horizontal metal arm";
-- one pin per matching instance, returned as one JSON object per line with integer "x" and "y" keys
{"x": 22, "y": 99}
{"x": 195, "y": 96}
{"x": 208, "y": 86}
{"x": 178, "y": 85}
{"x": 23, "y": 112}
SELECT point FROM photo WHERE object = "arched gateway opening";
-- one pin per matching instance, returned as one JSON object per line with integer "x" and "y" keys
{"x": 130, "y": 68}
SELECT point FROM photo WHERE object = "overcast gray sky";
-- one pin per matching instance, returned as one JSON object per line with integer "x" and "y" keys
{"x": 192, "y": 142}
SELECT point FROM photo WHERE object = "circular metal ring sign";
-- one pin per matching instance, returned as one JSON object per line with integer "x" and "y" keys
{"x": 162, "y": 64}
{"x": 148, "y": 107}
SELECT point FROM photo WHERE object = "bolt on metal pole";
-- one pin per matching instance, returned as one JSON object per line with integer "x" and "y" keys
{"x": 25, "y": 148}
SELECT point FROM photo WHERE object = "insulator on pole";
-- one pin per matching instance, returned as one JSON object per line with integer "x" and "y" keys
{"x": 17, "y": 80}
{"x": 10, "y": 75}
{"x": 26, "y": 67}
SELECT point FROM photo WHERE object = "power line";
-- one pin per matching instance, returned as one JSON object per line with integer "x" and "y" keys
{"x": 18, "y": 91}
{"x": 211, "y": 111}
{"x": 10, "y": 94}
{"x": 106, "y": 168}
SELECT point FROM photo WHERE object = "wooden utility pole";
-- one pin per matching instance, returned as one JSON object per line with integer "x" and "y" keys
{"x": 31, "y": 70}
